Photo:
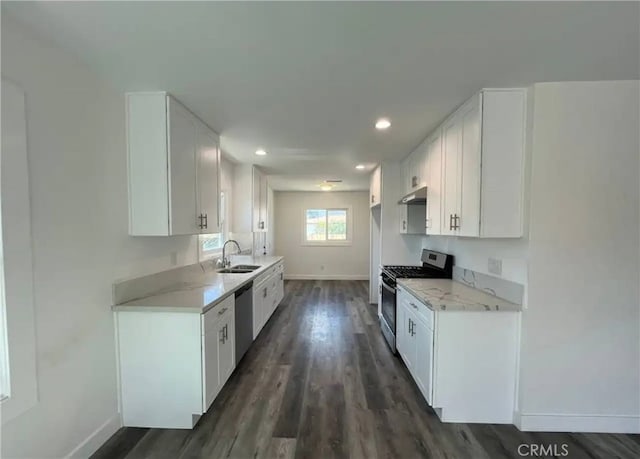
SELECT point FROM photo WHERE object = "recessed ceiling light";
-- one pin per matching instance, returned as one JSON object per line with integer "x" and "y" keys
{"x": 261, "y": 152}
{"x": 383, "y": 123}
{"x": 326, "y": 188}
{"x": 360, "y": 166}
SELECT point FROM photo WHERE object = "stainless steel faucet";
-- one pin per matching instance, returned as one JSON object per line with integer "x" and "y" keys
{"x": 226, "y": 263}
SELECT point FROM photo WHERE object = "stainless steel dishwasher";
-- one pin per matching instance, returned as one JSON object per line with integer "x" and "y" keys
{"x": 244, "y": 320}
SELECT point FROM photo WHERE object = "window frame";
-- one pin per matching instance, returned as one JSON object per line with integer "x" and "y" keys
{"x": 328, "y": 242}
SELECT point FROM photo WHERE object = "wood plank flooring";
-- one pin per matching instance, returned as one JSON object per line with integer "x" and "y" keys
{"x": 320, "y": 382}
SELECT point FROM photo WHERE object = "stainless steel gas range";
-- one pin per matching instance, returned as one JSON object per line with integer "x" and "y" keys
{"x": 435, "y": 265}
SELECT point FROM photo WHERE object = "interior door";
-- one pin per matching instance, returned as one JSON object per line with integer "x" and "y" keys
{"x": 208, "y": 180}
{"x": 182, "y": 165}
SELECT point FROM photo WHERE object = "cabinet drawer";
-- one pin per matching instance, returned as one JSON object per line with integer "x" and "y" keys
{"x": 213, "y": 316}
{"x": 418, "y": 307}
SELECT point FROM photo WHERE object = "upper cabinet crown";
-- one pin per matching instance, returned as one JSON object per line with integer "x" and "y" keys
{"x": 173, "y": 162}
{"x": 483, "y": 150}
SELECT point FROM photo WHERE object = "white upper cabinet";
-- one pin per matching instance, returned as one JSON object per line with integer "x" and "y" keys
{"x": 208, "y": 180}
{"x": 250, "y": 200}
{"x": 173, "y": 168}
{"x": 413, "y": 170}
{"x": 482, "y": 170}
{"x": 260, "y": 192}
{"x": 433, "y": 171}
{"x": 375, "y": 187}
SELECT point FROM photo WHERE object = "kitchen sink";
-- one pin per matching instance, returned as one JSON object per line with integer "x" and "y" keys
{"x": 235, "y": 271}
{"x": 248, "y": 267}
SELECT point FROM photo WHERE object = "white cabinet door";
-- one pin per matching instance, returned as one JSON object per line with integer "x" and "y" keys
{"x": 264, "y": 202}
{"x": 405, "y": 176}
{"x": 450, "y": 156}
{"x": 227, "y": 355}
{"x": 403, "y": 222}
{"x": 401, "y": 328}
{"x": 256, "y": 182}
{"x": 280, "y": 284}
{"x": 208, "y": 180}
{"x": 182, "y": 167}
{"x": 434, "y": 184}
{"x": 468, "y": 221}
{"x": 375, "y": 187}
{"x": 257, "y": 310}
{"x": 212, "y": 338}
{"x": 422, "y": 371}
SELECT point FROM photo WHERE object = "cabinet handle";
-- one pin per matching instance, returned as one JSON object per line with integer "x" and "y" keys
{"x": 456, "y": 221}
{"x": 404, "y": 225}
{"x": 221, "y": 333}
{"x": 222, "y": 311}
{"x": 450, "y": 222}
{"x": 226, "y": 332}
{"x": 200, "y": 217}
{"x": 206, "y": 222}
{"x": 414, "y": 306}
{"x": 372, "y": 197}
{"x": 264, "y": 294}
{"x": 409, "y": 325}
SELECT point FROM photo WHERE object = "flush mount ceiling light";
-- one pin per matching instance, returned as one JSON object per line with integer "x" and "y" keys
{"x": 360, "y": 166}
{"x": 261, "y": 152}
{"x": 382, "y": 124}
{"x": 326, "y": 187}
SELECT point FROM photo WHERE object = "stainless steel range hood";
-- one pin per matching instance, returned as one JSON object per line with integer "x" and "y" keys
{"x": 417, "y": 197}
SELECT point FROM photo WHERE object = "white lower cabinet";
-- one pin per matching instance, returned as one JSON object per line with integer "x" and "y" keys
{"x": 463, "y": 362}
{"x": 218, "y": 344}
{"x": 173, "y": 364}
{"x": 268, "y": 292}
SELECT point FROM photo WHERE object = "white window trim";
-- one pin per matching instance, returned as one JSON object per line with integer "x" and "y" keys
{"x": 17, "y": 256}
{"x": 328, "y": 243}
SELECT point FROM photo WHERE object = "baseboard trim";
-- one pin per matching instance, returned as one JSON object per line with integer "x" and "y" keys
{"x": 97, "y": 438}
{"x": 326, "y": 276}
{"x": 596, "y": 423}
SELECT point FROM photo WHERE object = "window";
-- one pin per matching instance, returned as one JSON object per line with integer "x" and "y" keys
{"x": 211, "y": 244}
{"x": 327, "y": 227}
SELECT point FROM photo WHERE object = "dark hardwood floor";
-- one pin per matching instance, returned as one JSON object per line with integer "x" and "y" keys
{"x": 320, "y": 382}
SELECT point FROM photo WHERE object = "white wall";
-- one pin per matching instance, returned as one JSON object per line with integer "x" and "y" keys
{"x": 580, "y": 356}
{"x": 77, "y": 167}
{"x": 340, "y": 262}
{"x": 580, "y": 336}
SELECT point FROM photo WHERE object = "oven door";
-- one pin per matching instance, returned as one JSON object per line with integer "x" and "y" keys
{"x": 388, "y": 319}
{"x": 389, "y": 305}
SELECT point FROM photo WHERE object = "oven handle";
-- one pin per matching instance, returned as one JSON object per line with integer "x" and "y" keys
{"x": 392, "y": 290}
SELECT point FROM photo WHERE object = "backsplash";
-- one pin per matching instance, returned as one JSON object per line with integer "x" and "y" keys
{"x": 502, "y": 288}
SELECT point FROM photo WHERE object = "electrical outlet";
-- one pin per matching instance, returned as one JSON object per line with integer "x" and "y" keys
{"x": 495, "y": 266}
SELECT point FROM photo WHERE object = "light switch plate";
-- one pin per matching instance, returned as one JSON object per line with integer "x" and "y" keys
{"x": 495, "y": 266}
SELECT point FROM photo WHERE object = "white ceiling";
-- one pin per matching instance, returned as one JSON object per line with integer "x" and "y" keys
{"x": 306, "y": 81}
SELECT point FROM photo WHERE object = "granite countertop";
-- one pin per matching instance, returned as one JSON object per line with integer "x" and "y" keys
{"x": 449, "y": 295}
{"x": 202, "y": 292}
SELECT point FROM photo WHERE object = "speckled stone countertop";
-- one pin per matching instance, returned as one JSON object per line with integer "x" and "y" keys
{"x": 449, "y": 295}
{"x": 200, "y": 293}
